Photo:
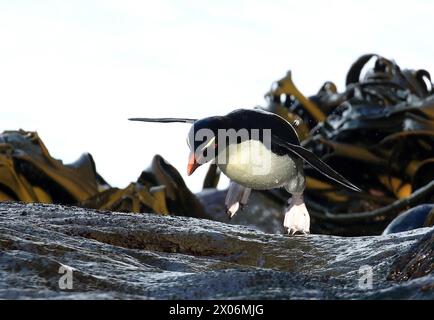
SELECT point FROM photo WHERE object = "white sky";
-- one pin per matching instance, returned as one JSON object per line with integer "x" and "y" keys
{"x": 76, "y": 70}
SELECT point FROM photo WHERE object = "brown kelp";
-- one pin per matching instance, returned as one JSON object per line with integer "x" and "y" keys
{"x": 378, "y": 132}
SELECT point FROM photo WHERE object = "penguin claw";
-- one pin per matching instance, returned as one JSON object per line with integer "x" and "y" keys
{"x": 294, "y": 232}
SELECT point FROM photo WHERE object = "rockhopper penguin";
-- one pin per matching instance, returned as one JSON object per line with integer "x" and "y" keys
{"x": 259, "y": 150}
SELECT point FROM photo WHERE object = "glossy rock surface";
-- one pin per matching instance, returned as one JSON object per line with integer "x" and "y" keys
{"x": 146, "y": 256}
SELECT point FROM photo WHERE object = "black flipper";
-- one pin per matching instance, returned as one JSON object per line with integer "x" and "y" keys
{"x": 164, "y": 120}
{"x": 316, "y": 163}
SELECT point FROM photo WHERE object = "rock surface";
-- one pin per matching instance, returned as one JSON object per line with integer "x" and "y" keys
{"x": 146, "y": 256}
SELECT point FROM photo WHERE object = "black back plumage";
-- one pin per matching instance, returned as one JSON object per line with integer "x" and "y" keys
{"x": 284, "y": 138}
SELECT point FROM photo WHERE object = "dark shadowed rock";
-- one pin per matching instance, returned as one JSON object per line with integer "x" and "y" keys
{"x": 417, "y": 262}
{"x": 147, "y": 256}
{"x": 262, "y": 212}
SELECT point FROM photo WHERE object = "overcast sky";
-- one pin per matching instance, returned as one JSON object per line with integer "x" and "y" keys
{"x": 76, "y": 70}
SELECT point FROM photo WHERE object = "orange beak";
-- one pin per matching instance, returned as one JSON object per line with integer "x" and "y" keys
{"x": 192, "y": 164}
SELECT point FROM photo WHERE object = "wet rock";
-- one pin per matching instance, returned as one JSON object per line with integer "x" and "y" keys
{"x": 144, "y": 256}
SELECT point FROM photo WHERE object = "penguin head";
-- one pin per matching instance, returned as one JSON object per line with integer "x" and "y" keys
{"x": 203, "y": 141}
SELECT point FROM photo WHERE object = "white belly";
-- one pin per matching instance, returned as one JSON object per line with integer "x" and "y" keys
{"x": 254, "y": 166}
